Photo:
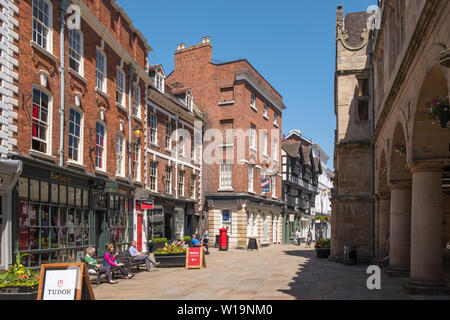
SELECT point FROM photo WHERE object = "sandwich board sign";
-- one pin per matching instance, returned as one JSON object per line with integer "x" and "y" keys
{"x": 195, "y": 258}
{"x": 65, "y": 281}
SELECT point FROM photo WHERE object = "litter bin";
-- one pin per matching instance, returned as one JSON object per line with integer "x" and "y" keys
{"x": 223, "y": 239}
{"x": 350, "y": 255}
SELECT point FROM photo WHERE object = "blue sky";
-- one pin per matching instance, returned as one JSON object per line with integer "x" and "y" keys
{"x": 290, "y": 42}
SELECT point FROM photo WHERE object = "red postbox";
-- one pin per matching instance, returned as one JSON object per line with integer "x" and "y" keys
{"x": 223, "y": 239}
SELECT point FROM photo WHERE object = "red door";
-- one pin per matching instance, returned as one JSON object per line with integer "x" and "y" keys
{"x": 139, "y": 232}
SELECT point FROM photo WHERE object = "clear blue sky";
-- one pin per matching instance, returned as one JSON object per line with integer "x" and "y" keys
{"x": 290, "y": 42}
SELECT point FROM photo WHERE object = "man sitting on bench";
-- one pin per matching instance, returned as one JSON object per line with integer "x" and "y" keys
{"x": 135, "y": 254}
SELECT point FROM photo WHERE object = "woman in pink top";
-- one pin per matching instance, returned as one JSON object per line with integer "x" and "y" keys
{"x": 110, "y": 261}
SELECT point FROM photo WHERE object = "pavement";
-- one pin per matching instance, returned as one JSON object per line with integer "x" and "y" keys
{"x": 279, "y": 272}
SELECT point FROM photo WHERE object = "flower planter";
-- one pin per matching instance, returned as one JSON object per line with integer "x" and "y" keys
{"x": 156, "y": 246}
{"x": 171, "y": 260}
{"x": 444, "y": 117}
{"x": 19, "y": 293}
{"x": 323, "y": 253}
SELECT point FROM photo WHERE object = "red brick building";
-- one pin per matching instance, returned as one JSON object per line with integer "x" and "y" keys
{"x": 77, "y": 114}
{"x": 237, "y": 100}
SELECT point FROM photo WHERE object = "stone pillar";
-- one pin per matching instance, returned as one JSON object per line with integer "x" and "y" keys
{"x": 427, "y": 229}
{"x": 384, "y": 208}
{"x": 400, "y": 228}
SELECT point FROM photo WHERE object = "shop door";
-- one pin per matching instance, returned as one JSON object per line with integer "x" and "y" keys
{"x": 139, "y": 231}
{"x": 101, "y": 233}
{"x": 168, "y": 223}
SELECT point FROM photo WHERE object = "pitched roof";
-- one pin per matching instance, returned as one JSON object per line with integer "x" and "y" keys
{"x": 306, "y": 154}
{"x": 291, "y": 148}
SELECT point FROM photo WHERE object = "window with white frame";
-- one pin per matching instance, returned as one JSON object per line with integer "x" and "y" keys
{"x": 169, "y": 134}
{"x": 41, "y": 117}
{"x": 120, "y": 87}
{"x": 42, "y": 23}
{"x": 193, "y": 185}
{"x": 189, "y": 101}
{"x": 136, "y": 100}
{"x": 168, "y": 180}
{"x": 275, "y": 150}
{"x": 75, "y": 138}
{"x": 120, "y": 155}
{"x": 253, "y": 101}
{"x": 100, "y": 145}
{"x": 264, "y": 142}
{"x": 274, "y": 186}
{"x": 153, "y": 128}
{"x": 76, "y": 50}
{"x": 253, "y": 137}
{"x": 153, "y": 166}
{"x": 137, "y": 163}
{"x": 265, "y": 111}
{"x": 159, "y": 82}
{"x": 251, "y": 180}
{"x": 275, "y": 119}
{"x": 181, "y": 176}
{"x": 100, "y": 70}
{"x": 226, "y": 175}
{"x": 181, "y": 146}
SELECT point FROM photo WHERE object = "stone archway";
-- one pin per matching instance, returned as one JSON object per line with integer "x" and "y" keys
{"x": 430, "y": 148}
{"x": 400, "y": 208}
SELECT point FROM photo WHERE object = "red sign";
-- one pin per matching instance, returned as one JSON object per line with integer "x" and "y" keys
{"x": 140, "y": 206}
{"x": 195, "y": 258}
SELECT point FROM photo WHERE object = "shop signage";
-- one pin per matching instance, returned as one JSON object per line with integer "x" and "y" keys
{"x": 265, "y": 185}
{"x": 99, "y": 200}
{"x": 195, "y": 258}
{"x": 291, "y": 218}
{"x": 67, "y": 281}
{"x": 60, "y": 178}
{"x": 111, "y": 187}
{"x": 144, "y": 205}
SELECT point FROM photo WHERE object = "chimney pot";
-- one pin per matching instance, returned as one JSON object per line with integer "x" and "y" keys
{"x": 182, "y": 45}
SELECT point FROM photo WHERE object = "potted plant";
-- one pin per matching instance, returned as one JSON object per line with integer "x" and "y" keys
{"x": 171, "y": 256}
{"x": 157, "y": 243}
{"x": 438, "y": 109}
{"x": 19, "y": 282}
{"x": 323, "y": 248}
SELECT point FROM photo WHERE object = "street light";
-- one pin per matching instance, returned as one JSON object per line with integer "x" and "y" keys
{"x": 138, "y": 133}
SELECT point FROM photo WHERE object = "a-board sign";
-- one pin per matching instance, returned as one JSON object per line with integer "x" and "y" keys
{"x": 65, "y": 281}
{"x": 195, "y": 258}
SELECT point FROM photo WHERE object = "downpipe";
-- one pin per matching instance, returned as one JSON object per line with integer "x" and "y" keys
{"x": 63, "y": 5}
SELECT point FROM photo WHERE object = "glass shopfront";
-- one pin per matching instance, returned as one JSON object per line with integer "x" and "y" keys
{"x": 52, "y": 220}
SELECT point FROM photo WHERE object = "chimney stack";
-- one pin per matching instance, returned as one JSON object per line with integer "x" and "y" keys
{"x": 180, "y": 46}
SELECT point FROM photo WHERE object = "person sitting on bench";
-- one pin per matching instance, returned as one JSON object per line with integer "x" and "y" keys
{"x": 195, "y": 241}
{"x": 141, "y": 256}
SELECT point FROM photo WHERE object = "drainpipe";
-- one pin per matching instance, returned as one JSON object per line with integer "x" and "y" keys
{"x": 130, "y": 118}
{"x": 372, "y": 86}
{"x": 63, "y": 5}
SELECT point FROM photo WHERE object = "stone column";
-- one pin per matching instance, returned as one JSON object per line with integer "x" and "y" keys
{"x": 400, "y": 228}
{"x": 384, "y": 208}
{"x": 427, "y": 229}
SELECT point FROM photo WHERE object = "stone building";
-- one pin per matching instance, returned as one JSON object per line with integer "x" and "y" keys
{"x": 242, "y": 143}
{"x": 76, "y": 102}
{"x": 407, "y": 59}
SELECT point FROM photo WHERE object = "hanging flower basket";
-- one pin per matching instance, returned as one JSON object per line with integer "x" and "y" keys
{"x": 438, "y": 109}
{"x": 401, "y": 149}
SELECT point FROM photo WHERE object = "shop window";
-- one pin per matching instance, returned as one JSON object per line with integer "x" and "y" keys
{"x": 51, "y": 232}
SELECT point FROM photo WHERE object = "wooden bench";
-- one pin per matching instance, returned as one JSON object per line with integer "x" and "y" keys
{"x": 129, "y": 262}
{"x": 98, "y": 274}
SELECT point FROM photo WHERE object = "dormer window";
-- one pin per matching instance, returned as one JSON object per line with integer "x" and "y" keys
{"x": 159, "y": 82}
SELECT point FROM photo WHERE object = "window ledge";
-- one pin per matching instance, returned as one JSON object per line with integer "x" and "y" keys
{"x": 41, "y": 155}
{"x": 228, "y": 189}
{"x": 47, "y": 53}
{"x": 254, "y": 108}
{"x": 77, "y": 165}
{"x": 265, "y": 117}
{"x": 77, "y": 75}
{"x": 101, "y": 172}
{"x": 154, "y": 145}
{"x": 122, "y": 178}
{"x": 138, "y": 183}
{"x": 121, "y": 107}
{"x": 265, "y": 155}
{"x": 226, "y": 103}
{"x": 103, "y": 94}
{"x": 253, "y": 149}
{"x": 252, "y": 192}
{"x": 275, "y": 125}
{"x": 137, "y": 118}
